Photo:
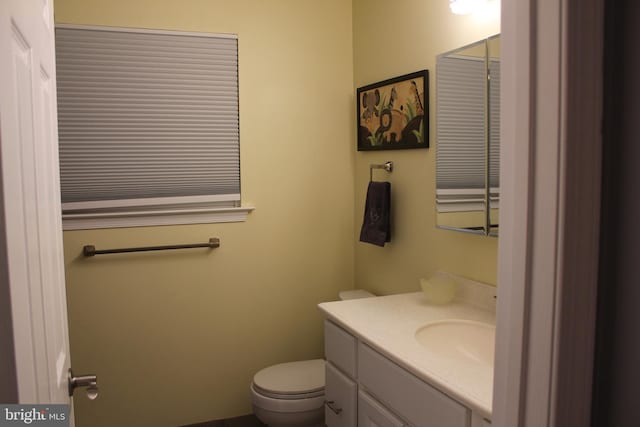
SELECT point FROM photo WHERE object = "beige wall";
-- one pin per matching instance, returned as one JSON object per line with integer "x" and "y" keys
{"x": 175, "y": 337}
{"x": 391, "y": 39}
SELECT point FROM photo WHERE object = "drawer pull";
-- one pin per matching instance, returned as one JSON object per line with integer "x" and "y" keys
{"x": 329, "y": 404}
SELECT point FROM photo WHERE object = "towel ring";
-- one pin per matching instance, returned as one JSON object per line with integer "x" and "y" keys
{"x": 388, "y": 166}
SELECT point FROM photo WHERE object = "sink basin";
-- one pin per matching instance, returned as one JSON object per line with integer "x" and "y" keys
{"x": 460, "y": 340}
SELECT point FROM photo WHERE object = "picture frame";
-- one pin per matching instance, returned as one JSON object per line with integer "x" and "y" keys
{"x": 394, "y": 113}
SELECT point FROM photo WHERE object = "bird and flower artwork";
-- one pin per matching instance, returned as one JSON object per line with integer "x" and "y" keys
{"x": 393, "y": 114}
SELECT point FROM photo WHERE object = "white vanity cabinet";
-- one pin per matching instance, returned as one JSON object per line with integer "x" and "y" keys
{"x": 366, "y": 389}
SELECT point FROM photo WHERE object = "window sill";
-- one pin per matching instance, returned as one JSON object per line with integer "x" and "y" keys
{"x": 88, "y": 221}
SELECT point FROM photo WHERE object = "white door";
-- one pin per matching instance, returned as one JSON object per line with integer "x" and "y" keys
{"x": 30, "y": 200}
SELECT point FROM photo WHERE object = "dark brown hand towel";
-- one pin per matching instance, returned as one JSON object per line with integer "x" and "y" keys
{"x": 376, "y": 226}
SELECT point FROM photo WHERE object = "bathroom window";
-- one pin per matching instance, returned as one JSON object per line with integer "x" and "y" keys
{"x": 148, "y": 127}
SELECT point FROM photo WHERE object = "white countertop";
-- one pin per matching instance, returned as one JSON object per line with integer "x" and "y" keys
{"x": 389, "y": 323}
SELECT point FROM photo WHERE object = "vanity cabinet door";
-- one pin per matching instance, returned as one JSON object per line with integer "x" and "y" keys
{"x": 341, "y": 399}
{"x": 373, "y": 414}
{"x": 340, "y": 348}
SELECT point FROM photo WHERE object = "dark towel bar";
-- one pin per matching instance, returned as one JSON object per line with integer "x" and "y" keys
{"x": 90, "y": 250}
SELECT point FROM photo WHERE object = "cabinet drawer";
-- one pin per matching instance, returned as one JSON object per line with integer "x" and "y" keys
{"x": 373, "y": 414}
{"x": 340, "y": 399}
{"x": 340, "y": 348}
{"x": 418, "y": 402}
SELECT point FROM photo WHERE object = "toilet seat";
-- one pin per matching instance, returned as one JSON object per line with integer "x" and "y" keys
{"x": 291, "y": 381}
{"x": 283, "y": 396}
{"x": 287, "y": 404}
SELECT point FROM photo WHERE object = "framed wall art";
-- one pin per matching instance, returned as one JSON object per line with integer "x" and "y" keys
{"x": 394, "y": 114}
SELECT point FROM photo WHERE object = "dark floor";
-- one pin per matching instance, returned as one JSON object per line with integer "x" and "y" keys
{"x": 244, "y": 421}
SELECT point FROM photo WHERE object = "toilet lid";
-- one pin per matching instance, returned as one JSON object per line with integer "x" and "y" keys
{"x": 292, "y": 378}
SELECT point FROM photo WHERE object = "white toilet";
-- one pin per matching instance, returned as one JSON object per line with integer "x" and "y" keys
{"x": 292, "y": 394}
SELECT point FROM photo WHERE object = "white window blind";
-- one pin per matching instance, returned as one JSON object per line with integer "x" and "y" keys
{"x": 147, "y": 118}
{"x": 461, "y": 124}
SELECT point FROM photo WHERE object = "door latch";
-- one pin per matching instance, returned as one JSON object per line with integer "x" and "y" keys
{"x": 88, "y": 381}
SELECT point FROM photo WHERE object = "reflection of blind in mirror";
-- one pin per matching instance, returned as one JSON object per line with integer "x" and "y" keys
{"x": 460, "y": 122}
{"x": 494, "y": 123}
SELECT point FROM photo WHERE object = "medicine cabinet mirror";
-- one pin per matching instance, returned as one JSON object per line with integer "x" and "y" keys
{"x": 468, "y": 138}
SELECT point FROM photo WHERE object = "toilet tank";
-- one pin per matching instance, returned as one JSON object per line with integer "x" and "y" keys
{"x": 354, "y": 294}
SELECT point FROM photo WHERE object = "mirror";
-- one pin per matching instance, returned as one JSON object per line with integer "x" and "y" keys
{"x": 468, "y": 138}
{"x": 493, "y": 51}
